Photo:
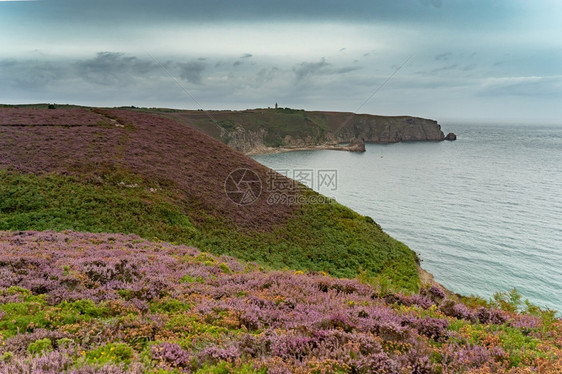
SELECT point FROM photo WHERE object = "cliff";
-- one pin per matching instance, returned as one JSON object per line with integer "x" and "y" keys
{"x": 273, "y": 130}
{"x": 380, "y": 129}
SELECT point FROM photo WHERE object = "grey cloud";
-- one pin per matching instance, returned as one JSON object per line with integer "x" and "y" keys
{"x": 112, "y": 68}
{"x": 445, "y": 68}
{"x": 443, "y": 56}
{"x": 124, "y": 13}
{"x": 307, "y": 69}
{"x": 31, "y": 74}
{"x": 246, "y": 55}
{"x": 524, "y": 86}
{"x": 107, "y": 69}
{"x": 347, "y": 69}
{"x": 267, "y": 75}
{"x": 192, "y": 71}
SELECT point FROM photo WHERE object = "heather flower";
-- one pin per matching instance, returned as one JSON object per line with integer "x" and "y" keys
{"x": 215, "y": 354}
{"x": 457, "y": 310}
{"x": 463, "y": 312}
{"x": 128, "y": 291}
{"x": 50, "y": 362}
{"x": 525, "y": 322}
{"x": 431, "y": 327}
{"x": 436, "y": 293}
{"x": 171, "y": 354}
{"x": 377, "y": 363}
{"x": 494, "y": 316}
{"x": 419, "y": 300}
{"x": 19, "y": 344}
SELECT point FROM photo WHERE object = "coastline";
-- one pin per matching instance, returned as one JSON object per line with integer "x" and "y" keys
{"x": 355, "y": 145}
{"x": 427, "y": 278}
{"x": 274, "y": 150}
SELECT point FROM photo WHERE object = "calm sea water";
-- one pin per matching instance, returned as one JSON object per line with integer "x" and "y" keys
{"x": 484, "y": 212}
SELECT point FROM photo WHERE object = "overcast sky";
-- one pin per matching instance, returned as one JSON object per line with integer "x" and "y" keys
{"x": 450, "y": 60}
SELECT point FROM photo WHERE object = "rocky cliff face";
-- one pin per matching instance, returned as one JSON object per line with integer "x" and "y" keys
{"x": 270, "y": 130}
{"x": 244, "y": 140}
{"x": 377, "y": 129}
{"x": 363, "y": 128}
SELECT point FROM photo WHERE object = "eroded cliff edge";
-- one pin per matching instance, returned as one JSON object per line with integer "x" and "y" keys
{"x": 274, "y": 130}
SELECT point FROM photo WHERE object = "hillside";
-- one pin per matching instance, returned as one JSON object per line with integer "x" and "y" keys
{"x": 125, "y": 171}
{"x": 110, "y": 303}
{"x": 118, "y": 278}
{"x": 266, "y": 130}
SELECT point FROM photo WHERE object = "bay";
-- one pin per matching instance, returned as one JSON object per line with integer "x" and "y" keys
{"x": 483, "y": 212}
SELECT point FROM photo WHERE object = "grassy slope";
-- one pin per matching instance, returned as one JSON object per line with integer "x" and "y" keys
{"x": 157, "y": 178}
{"x": 321, "y": 237}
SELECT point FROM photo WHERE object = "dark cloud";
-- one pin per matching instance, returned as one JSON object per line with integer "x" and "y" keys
{"x": 31, "y": 74}
{"x": 306, "y": 69}
{"x": 139, "y": 12}
{"x": 445, "y": 68}
{"x": 192, "y": 71}
{"x": 242, "y": 60}
{"x": 443, "y": 56}
{"x": 105, "y": 69}
{"x": 267, "y": 75}
{"x": 347, "y": 69}
{"x": 112, "y": 68}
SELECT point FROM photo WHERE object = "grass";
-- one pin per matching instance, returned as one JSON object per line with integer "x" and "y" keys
{"x": 318, "y": 237}
{"x": 54, "y": 202}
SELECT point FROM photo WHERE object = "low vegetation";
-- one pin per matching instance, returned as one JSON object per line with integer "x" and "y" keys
{"x": 109, "y": 303}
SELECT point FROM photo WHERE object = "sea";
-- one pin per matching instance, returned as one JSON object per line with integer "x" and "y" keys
{"x": 483, "y": 212}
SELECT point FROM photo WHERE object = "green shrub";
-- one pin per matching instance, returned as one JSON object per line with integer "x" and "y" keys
{"x": 169, "y": 306}
{"x": 113, "y": 352}
{"x": 40, "y": 346}
{"x": 7, "y": 356}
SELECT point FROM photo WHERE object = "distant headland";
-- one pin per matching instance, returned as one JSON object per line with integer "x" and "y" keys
{"x": 271, "y": 130}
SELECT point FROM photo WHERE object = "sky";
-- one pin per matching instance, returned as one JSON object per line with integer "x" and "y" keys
{"x": 449, "y": 60}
